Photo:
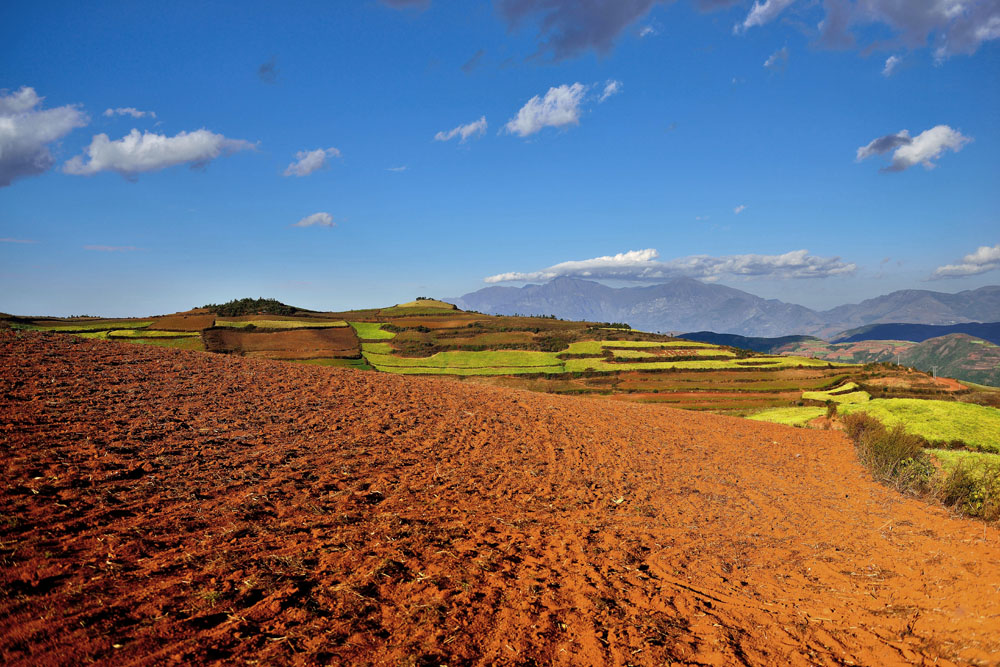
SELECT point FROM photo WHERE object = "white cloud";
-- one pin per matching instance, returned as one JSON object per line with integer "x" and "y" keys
{"x": 135, "y": 153}
{"x": 9, "y": 240}
{"x": 397, "y": 169}
{"x": 891, "y": 63}
{"x": 951, "y": 26}
{"x": 777, "y": 60}
{"x": 643, "y": 266}
{"x": 909, "y": 151}
{"x": 129, "y": 111}
{"x": 560, "y": 107}
{"x": 762, "y": 13}
{"x": 739, "y": 209}
{"x": 306, "y": 162}
{"x": 320, "y": 219}
{"x": 985, "y": 258}
{"x": 647, "y": 31}
{"x": 463, "y": 131}
{"x": 26, "y": 130}
{"x": 612, "y": 87}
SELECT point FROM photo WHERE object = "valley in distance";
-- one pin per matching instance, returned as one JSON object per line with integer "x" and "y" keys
{"x": 423, "y": 484}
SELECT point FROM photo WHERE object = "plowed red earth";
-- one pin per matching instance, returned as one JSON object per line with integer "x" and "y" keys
{"x": 170, "y": 507}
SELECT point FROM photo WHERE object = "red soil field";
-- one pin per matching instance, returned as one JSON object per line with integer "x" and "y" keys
{"x": 161, "y": 506}
{"x": 183, "y": 322}
{"x": 295, "y": 344}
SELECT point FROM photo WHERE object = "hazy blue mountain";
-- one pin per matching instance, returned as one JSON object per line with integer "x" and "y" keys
{"x": 685, "y": 304}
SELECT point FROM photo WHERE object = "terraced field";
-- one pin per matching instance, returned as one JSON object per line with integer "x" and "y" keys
{"x": 428, "y": 337}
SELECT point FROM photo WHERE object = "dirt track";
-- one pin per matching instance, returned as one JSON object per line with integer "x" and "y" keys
{"x": 166, "y": 506}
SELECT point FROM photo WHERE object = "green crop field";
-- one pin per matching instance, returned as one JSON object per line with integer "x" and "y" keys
{"x": 376, "y": 348}
{"x": 371, "y": 331}
{"x": 281, "y": 324}
{"x": 89, "y": 325}
{"x": 492, "y": 359}
{"x": 841, "y": 394}
{"x": 977, "y": 461}
{"x": 769, "y": 363}
{"x": 503, "y": 370}
{"x": 978, "y": 426}
{"x": 148, "y": 333}
{"x": 789, "y": 416}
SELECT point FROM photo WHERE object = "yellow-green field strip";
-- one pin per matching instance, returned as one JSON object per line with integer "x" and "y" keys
{"x": 371, "y": 331}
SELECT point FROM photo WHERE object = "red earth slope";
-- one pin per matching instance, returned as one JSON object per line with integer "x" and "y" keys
{"x": 160, "y": 506}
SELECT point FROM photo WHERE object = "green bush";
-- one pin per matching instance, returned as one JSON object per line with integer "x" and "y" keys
{"x": 893, "y": 455}
{"x": 972, "y": 489}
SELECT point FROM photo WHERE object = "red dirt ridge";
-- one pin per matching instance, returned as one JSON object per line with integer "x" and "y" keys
{"x": 160, "y": 506}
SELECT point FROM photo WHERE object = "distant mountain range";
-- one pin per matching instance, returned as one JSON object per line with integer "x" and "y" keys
{"x": 920, "y": 332}
{"x": 685, "y": 304}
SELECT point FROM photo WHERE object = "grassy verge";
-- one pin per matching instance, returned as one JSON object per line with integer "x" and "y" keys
{"x": 897, "y": 457}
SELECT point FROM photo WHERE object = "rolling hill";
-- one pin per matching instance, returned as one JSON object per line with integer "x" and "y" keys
{"x": 917, "y": 333}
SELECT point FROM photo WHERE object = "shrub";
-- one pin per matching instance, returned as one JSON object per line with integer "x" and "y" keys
{"x": 893, "y": 455}
{"x": 972, "y": 490}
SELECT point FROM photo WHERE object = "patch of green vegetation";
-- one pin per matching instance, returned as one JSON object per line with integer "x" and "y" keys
{"x": 505, "y": 370}
{"x": 769, "y": 363}
{"x": 842, "y": 394}
{"x": 977, "y": 426}
{"x": 789, "y": 416}
{"x": 371, "y": 331}
{"x": 454, "y": 359}
{"x": 248, "y": 306}
{"x": 950, "y": 458}
{"x": 282, "y": 324}
{"x": 376, "y": 348}
{"x": 89, "y": 325}
{"x": 151, "y": 333}
{"x": 585, "y": 347}
{"x": 101, "y": 335}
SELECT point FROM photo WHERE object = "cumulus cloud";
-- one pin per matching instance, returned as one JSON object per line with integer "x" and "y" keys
{"x": 111, "y": 248}
{"x": 568, "y": 27}
{"x": 761, "y": 13}
{"x": 558, "y": 108}
{"x": 952, "y": 26}
{"x": 739, "y": 209}
{"x": 129, "y": 111}
{"x": 475, "y": 128}
{"x": 909, "y": 151}
{"x": 985, "y": 258}
{"x": 777, "y": 60}
{"x": 136, "y": 152}
{"x": 27, "y": 130}
{"x": 891, "y": 63}
{"x": 306, "y": 162}
{"x": 320, "y": 219}
{"x": 612, "y": 87}
{"x": 644, "y": 266}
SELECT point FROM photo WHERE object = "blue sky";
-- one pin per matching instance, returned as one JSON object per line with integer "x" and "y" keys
{"x": 759, "y": 108}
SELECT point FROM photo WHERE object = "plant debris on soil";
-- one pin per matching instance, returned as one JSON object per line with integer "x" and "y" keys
{"x": 161, "y": 506}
